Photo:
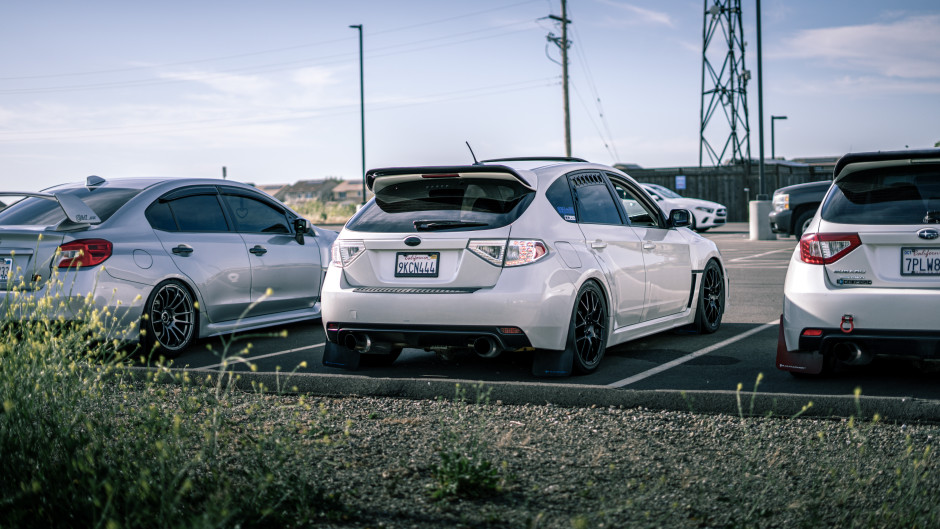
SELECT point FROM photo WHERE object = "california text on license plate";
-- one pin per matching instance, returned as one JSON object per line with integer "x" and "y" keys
{"x": 409, "y": 264}
{"x": 920, "y": 261}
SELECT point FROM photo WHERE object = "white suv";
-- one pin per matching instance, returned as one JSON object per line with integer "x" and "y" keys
{"x": 561, "y": 256}
{"x": 865, "y": 278}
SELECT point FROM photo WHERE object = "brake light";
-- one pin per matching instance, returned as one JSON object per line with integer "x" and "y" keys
{"x": 84, "y": 252}
{"x": 827, "y": 248}
{"x": 514, "y": 252}
{"x": 345, "y": 251}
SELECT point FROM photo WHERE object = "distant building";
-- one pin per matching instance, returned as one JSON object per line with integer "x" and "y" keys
{"x": 349, "y": 191}
{"x": 308, "y": 190}
{"x": 271, "y": 189}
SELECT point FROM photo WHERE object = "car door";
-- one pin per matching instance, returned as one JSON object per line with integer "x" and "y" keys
{"x": 285, "y": 274}
{"x": 666, "y": 252}
{"x": 194, "y": 232}
{"x": 615, "y": 245}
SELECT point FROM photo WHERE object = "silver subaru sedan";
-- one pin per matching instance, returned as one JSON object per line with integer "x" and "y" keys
{"x": 167, "y": 260}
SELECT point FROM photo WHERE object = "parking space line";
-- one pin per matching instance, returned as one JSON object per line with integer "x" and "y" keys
{"x": 790, "y": 250}
{"x": 239, "y": 359}
{"x": 691, "y": 356}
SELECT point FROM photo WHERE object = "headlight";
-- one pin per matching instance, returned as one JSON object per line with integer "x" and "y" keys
{"x": 706, "y": 210}
{"x": 781, "y": 202}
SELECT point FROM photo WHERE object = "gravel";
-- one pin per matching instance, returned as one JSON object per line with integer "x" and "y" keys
{"x": 620, "y": 467}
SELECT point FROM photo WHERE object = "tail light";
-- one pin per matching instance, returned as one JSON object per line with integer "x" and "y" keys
{"x": 84, "y": 253}
{"x": 346, "y": 251}
{"x": 514, "y": 252}
{"x": 827, "y": 248}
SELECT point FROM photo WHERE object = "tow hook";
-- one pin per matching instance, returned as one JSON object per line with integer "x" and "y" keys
{"x": 848, "y": 323}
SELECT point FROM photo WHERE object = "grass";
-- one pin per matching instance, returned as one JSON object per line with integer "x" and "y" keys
{"x": 324, "y": 213}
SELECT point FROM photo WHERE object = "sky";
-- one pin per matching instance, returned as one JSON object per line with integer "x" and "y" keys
{"x": 271, "y": 90}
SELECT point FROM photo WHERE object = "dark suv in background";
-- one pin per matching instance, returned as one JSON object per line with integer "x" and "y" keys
{"x": 795, "y": 206}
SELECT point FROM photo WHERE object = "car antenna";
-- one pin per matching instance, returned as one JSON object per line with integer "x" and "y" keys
{"x": 475, "y": 162}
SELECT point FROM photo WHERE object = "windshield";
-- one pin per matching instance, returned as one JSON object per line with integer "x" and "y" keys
{"x": 895, "y": 195}
{"x": 34, "y": 211}
{"x": 443, "y": 204}
{"x": 664, "y": 191}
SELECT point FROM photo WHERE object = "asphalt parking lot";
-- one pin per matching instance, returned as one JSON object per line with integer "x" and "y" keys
{"x": 740, "y": 352}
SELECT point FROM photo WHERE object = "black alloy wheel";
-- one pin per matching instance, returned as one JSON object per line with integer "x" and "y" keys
{"x": 170, "y": 318}
{"x": 711, "y": 300}
{"x": 588, "y": 332}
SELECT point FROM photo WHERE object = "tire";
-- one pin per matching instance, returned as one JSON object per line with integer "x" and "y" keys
{"x": 802, "y": 221}
{"x": 169, "y": 321}
{"x": 587, "y": 333}
{"x": 711, "y": 299}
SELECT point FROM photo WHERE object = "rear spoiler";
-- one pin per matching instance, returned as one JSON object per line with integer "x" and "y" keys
{"x": 442, "y": 171}
{"x": 860, "y": 157}
{"x": 75, "y": 210}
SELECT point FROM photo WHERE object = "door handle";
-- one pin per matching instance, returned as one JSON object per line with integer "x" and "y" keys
{"x": 649, "y": 245}
{"x": 182, "y": 249}
{"x": 598, "y": 244}
{"x": 258, "y": 250}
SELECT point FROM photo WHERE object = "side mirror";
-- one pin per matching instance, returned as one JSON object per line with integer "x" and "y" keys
{"x": 300, "y": 228}
{"x": 680, "y": 218}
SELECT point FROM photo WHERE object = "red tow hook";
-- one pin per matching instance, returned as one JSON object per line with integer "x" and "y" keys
{"x": 848, "y": 323}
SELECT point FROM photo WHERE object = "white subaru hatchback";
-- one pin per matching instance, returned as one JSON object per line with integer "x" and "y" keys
{"x": 561, "y": 256}
{"x": 865, "y": 278}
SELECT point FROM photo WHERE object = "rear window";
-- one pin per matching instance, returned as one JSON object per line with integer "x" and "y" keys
{"x": 32, "y": 211}
{"x": 897, "y": 195}
{"x": 443, "y": 204}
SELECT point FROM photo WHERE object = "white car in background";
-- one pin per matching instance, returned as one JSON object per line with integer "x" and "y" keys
{"x": 865, "y": 279}
{"x": 561, "y": 256}
{"x": 705, "y": 214}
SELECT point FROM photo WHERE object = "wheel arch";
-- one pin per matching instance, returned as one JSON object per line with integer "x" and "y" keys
{"x": 201, "y": 320}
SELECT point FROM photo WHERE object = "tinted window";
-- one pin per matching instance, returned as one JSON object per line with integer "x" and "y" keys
{"x": 443, "y": 203}
{"x": 639, "y": 213}
{"x": 594, "y": 201}
{"x": 559, "y": 195}
{"x": 198, "y": 213}
{"x": 254, "y": 216}
{"x": 104, "y": 201}
{"x": 160, "y": 217}
{"x": 901, "y": 195}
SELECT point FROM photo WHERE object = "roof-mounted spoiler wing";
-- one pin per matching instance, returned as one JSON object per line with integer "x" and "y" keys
{"x": 75, "y": 210}
{"x": 441, "y": 171}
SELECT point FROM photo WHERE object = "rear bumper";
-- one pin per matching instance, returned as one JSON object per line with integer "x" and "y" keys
{"x": 424, "y": 336}
{"x": 905, "y": 343}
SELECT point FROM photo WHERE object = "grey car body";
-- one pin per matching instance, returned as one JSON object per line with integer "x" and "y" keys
{"x": 180, "y": 258}
{"x": 794, "y": 207}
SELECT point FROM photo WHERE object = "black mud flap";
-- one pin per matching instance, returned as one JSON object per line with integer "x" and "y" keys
{"x": 552, "y": 363}
{"x": 335, "y": 355}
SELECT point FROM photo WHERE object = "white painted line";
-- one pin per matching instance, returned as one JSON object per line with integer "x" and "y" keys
{"x": 691, "y": 356}
{"x": 237, "y": 359}
{"x": 761, "y": 255}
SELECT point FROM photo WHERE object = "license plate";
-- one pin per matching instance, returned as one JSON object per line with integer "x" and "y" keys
{"x": 5, "y": 266}
{"x": 920, "y": 261}
{"x": 409, "y": 264}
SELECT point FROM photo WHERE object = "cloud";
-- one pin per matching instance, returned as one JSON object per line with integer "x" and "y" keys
{"x": 314, "y": 77}
{"x": 244, "y": 85}
{"x": 638, "y": 15}
{"x": 908, "y": 48}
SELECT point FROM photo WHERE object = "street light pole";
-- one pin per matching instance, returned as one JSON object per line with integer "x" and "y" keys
{"x": 362, "y": 112}
{"x": 772, "y": 119}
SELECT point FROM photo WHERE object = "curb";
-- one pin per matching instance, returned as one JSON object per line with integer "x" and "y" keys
{"x": 891, "y": 409}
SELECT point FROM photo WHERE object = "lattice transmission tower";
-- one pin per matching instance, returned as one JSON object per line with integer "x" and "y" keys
{"x": 724, "y": 89}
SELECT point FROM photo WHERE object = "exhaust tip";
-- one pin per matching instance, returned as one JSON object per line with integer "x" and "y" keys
{"x": 358, "y": 342}
{"x": 486, "y": 347}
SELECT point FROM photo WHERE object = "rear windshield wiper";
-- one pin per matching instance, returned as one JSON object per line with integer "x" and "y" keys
{"x": 431, "y": 225}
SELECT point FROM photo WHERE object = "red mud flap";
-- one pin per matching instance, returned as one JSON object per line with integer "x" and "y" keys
{"x": 810, "y": 363}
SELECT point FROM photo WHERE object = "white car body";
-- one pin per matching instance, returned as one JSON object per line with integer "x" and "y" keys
{"x": 513, "y": 284}
{"x": 706, "y": 214}
{"x": 865, "y": 279}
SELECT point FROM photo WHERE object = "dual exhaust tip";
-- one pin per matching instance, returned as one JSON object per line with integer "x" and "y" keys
{"x": 483, "y": 346}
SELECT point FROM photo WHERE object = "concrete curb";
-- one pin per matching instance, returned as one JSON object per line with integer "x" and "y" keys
{"x": 892, "y": 409}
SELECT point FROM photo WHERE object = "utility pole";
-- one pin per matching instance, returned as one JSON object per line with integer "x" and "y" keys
{"x": 362, "y": 112}
{"x": 563, "y": 43}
